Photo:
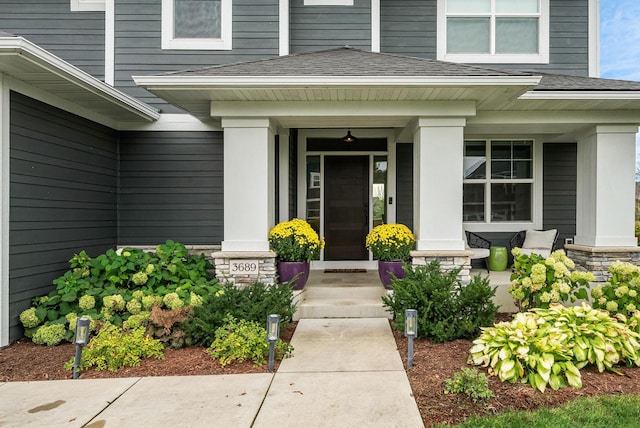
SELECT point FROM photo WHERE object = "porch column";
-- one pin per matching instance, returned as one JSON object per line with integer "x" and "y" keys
{"x": 605, "y": 200}
{"x": 4, "y": 212}
{"x": 249, "y": 184}
{"x": 438, "y": 166}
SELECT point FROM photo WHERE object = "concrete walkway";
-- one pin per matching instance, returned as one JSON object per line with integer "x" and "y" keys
{"x": 344, "y": 373}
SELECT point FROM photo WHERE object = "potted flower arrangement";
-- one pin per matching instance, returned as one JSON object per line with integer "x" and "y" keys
{"x": 391, "y": 245}
{"x": 296, "y": 244}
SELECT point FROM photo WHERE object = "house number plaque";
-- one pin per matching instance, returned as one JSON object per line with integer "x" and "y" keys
{"x": 244, "y": 266}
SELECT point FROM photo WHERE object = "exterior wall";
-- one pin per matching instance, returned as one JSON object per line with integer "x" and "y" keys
{"x": 409, "y": 27}
{"x": 559, "y": 189}
{"x": 77, "y": 37}
{"x": 404, "y": 184}
{"x": 63, "y": 197}
{"x": 138, "y": 43}
{"x": 314, "y": 28}
{"x": 170, "y": 188}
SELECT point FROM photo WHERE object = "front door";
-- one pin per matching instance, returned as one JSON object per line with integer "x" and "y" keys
{"x": 346, "y": 207}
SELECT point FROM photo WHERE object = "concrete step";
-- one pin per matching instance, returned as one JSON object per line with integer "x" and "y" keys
{"x": 342, "y": 302}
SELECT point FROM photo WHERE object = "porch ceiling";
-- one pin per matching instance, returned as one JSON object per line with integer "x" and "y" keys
{"x": 27, "y": 63}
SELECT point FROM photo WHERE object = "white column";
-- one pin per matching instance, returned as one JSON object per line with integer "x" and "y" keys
{"x": 249, "y": 184}
{"x": 4, "y": 212}
{"x": 438, "y": 169}
{"x": 605, "y": 202}
{"x": 283, "y": 178}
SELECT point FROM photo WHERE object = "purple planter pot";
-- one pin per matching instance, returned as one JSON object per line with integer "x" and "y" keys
{"x": 296, "y": 271}
{"x": 389, "y": 270}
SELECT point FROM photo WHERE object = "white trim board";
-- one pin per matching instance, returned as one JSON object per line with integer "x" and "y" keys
{"x": 4, "y": 212}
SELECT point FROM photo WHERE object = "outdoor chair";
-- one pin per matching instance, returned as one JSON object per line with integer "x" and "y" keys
{"x": 535, "y": 241}
{"x": 479, "y": 246}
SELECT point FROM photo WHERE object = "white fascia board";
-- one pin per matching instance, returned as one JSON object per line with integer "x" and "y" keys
{"x": 46, "y": 61}
{"x": 580, "y": 95}
{"x": 211, "y": 82}
{"x": 171, "y": 122}
{"x": 555, "y": 117}
{"x": 433, "y": 109}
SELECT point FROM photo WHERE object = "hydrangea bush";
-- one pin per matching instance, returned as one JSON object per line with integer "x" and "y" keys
{"x": 295, "y": 241}
{"x": 390, "y": 242}
{"x": 118, "y": 284}
{"x": 537, "y": 282}
{"x": 619, "y": 295}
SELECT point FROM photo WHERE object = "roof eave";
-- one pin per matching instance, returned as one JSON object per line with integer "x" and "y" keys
{"x": 43, "y": 61}
{"x": 581, "y": 95}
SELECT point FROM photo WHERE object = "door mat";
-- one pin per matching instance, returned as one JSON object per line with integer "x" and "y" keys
{"x": 345, "y": 271}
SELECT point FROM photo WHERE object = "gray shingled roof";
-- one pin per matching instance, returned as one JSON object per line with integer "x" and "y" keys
{"x": 346, "y": 61}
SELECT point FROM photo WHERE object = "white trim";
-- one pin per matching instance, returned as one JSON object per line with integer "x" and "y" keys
{"x": 328, "y": 2}
{"x": 283, "y": 28}
{"x": 172, "y": 122}
{"x": 580, "y": 95}
{"x": 48, "y": 63}
{"x": 542, "y": 57}
{"x": 87, "y": 5}
{"x": 223, "y": 43}
{"x": 4, "y": 211}
{"x": 110, "y": 42}
{"x": 213, "y": 82}
{"x": 375, "y": 25}
{"x": 594, "y": 38}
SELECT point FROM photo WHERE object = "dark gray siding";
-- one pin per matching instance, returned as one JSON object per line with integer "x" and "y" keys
{"x": 315, "y": 28}
{"x": 138, "y": 43}
{"x": 559, "y": 189}
{"x": 62, "y": 198}
{"x": 409, "y": 27}
{"x": 171, "y": 187}
{"x": 76, "y": 37}
{"x": 404, "y": 184}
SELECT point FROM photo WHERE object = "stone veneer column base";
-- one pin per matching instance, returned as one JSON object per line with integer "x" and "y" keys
{"x": 266, "y": 272}
{"x": 449, "y": 260}
{"x": 598, "y": 259}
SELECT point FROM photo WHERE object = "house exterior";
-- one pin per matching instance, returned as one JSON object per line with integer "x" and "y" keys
{"x": 129, "y": 122}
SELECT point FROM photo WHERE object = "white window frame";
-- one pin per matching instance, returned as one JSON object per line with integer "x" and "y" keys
{"x": 487, "y": 181}
{"x": 223, "y": 43}
{"x": 328, "y": 2}
{"x": 542, "y": 57}
{"x": 88, "y": 5}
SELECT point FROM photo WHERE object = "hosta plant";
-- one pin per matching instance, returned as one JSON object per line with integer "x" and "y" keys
{"x": 549, "y": 346}
{"x": 621, "y": 294}
{"x": 537, "y": 282}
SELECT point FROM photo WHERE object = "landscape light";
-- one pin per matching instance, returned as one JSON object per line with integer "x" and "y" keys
{"x": 80, "y": 340}
{"x": 273, "y": 334}
{"x": 410, "y": 331}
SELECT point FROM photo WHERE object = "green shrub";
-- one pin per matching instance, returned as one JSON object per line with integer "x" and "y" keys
{"x": 118, "y": 284}
{"x": 115, "y": 347}
{"x": 240, "y": 340}
{"x": 49, "y": 335}
{"x": 252, "y": 303}
{"x": 547, "y": 346}
{"x": 447, "y": 309}
{"x": 469, "y": 382}
{"x": 621, "y": 294}
{"x": 536, "y": 282}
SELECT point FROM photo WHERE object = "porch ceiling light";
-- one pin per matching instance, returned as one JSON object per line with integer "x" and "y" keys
{"x": 349, "y": 138}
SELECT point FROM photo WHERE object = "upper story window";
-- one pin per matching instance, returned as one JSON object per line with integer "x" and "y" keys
{"x": 196, "y": 24}
{"x": 493, "y": 31}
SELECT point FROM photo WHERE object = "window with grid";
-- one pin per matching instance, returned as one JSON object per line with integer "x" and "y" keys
{"x": 498, "y": 181}
{"x": 196, "y": 24}
{"x": 494, "y": 30}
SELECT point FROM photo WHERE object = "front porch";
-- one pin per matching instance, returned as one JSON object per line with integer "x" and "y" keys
{"x": 358, "y": 294}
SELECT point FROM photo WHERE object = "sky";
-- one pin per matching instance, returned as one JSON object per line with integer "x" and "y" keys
{"x": 620, "y": 43}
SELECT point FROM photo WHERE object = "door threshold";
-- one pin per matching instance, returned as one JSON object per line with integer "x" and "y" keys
{"x": 344, "y": 264}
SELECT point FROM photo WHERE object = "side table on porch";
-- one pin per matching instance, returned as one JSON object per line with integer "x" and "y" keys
{"x": 498, "y": 258}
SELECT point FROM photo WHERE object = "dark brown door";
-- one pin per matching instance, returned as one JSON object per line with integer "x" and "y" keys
{"x": 346, "y": 208}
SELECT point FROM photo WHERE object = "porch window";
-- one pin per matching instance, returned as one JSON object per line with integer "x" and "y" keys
{"x": 492, "y": 31}
{"x": 498, "y": 181}
{"x": 196, "y": 24}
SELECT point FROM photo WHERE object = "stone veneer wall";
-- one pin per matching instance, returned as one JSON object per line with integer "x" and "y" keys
{"x": 264, "y": 272}
{"x": 449, "y": 260}
{"x": 598, "y": 259}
